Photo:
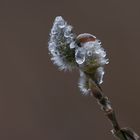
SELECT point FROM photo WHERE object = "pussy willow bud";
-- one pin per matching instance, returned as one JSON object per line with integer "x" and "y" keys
{"x": 61, "y": 38}
{"x": 91, "y": 58}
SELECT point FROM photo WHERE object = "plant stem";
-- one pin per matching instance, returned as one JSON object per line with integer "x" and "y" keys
{"x": 120, "y": 133}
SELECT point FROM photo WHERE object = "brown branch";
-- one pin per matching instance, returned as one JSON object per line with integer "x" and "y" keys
{"x": 120, "y": 133}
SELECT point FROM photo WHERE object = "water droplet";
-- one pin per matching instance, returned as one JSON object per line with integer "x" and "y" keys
{"x": 107, "y": 61}
{"x": 89, "y": 53}
{"x": 67, "y": 31}
{"x": 100, "y": 74}
{"x": 97, "y": 51}
{"x": 56, "y": 52}
{"x": 58, "y": 18}
{"x": 99, "y": 42}
{"x": 72, "y": 45}
{"x": 102, "y": 52}
{"x": 61, "y": 24}
{"x": 53, "y": 31}
{"x": 101, "y": 77}
{"x": 69, "y": 40}
{"x": 52, "y": 45}
{"x": 101, "y": 81}
{"x": 80, "y": 56}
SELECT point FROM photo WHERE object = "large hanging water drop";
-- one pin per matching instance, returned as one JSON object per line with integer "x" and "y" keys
{"x": 61, "y": 23}
{"x": 73, "y": 45}
{"x": 80, "y": 56}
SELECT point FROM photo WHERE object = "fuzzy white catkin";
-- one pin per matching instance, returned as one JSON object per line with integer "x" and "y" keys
{"x": 90, "y": 55}
{"x": 61, "y": 37}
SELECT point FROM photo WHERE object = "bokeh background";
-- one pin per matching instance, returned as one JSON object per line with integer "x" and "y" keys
{"x": 37, "y": 101}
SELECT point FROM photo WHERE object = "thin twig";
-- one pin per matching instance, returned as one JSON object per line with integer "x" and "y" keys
{"x": 120, "y": 133}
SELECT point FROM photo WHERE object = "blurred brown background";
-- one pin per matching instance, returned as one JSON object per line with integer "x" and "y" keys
{"x": 38, "y": 102}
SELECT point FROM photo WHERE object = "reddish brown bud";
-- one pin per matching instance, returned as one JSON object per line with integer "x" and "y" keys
{"x": 83, "y": 38}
